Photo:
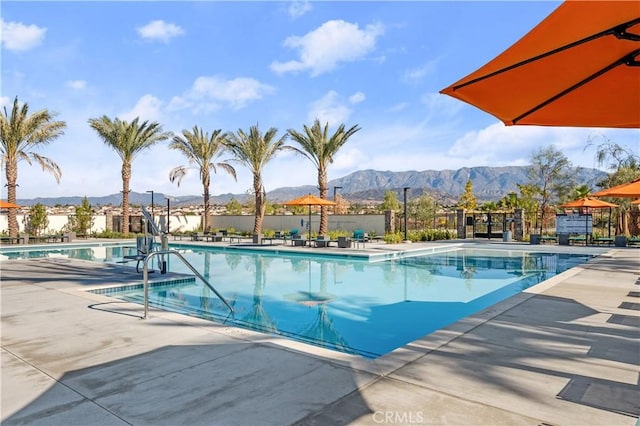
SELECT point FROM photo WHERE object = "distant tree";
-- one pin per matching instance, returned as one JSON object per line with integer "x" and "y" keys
{"x": 127, "y": 140}
{"x": 550, "y": 174}
{"x": 467, "y": 200}
{"x": 342, "y": 205}
{"x": 489, "y": 206}
{"x": 625, "y": 167}
{"x": 424, "y": 209}
{"x": 202, "y": 150}
{"x": 19, "y": 133}
{"x": 509, "y": 201}
{"x": 233, "y": 207}
{"x": 390, "y": 202}
{"x": 581, "y": 191}
{"x": 37, "y": 220}
{"x": 84, "y": 218}
{"x": 254, "y": 150}
{"x": 320, "y": 149}
{"x": 528, "y": 202}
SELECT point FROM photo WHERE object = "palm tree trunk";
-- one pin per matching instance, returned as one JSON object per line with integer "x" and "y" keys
{"x": 322, "y": 185}
{"x": 260, "y": 203}
{"x": 12, "y": 176}
{"x": 206, "y": 180}
{"x": 126, "y": 179}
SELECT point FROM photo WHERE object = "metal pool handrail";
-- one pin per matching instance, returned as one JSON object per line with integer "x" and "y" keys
{"x": 145, "y": 275}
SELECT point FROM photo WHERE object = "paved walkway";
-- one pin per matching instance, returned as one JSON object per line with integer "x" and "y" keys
{"x": 564, "y": 353}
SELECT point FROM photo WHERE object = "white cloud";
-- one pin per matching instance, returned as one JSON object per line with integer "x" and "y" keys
{"x": 502, "y": 145}
{"x": 329, "y": 109}
{"x": 357, "y": 97}
{"x": 76, "y": 84}
{"x": 347, "y": 159}
{"x": 208, "y": 93}
{"x": 160, "y": 30}
{"x": 297, "y": 8}
{"x": 398, "y": 107}
{"x": 324, "y": 48}
{"x": 18, "y": 37}
{"x": 419, "y": 73}
{"x": 148, "y": 107}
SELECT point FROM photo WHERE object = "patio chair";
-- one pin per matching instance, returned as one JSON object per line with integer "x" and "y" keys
{"x": 322, "y": 241}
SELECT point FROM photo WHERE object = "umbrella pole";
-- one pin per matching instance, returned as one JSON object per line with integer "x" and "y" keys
{"x": 309, "y": 224}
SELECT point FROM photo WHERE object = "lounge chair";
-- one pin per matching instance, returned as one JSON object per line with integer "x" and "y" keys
{"x": 299, "y": 240}
{"x": 633, "y": 240}
{"x": 322, "y": 241}
{"x": 360, "y": 237}
{"x": 344, "y": 242}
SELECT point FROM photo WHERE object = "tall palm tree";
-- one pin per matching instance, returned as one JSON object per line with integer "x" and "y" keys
{"x": 254, "y": 150}
{"x": 202, "y": 150}
{"x": 128, "y": 140}
{"x": 19, "y": 133}
{"x": 318, "y": 147}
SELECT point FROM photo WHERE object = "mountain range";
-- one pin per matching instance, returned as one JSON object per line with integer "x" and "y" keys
{"x": 446, "y": 186}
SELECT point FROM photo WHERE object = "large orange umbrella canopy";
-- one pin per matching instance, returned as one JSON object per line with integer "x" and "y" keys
{"x": 7, "y": 205}
{"x": 309, "y": 200}
{"x": 626, "y": 190}
{"x": 592, "y": 203}
{"x": 577, "y": 68}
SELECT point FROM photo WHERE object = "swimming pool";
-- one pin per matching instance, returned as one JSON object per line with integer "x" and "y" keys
{"x": 351, "y": 305}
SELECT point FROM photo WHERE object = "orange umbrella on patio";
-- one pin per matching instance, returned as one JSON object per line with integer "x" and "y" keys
{"x": 309, "y": 200}
{"x": 7, "y": 205}
{"x": 579, "y": 67}
{"x": 626, "y": 190}
{"x": 592, "y": 203}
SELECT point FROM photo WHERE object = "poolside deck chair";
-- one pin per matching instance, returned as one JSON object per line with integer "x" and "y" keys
{"x": 360, "y": 237}
{"x": 322, "y": 241}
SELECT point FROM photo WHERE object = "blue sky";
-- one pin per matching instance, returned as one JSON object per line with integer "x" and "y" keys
{"x": 230, "y": 65}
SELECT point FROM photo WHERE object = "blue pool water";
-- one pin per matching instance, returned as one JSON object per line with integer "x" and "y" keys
{"x": 347, "y": 304}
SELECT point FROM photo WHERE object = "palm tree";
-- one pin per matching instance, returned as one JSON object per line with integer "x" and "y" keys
{"x": 19, "y": 133}
{"x": 255, "y": 150}
{"x": 128, "y": 140}
{"x": 201, "y": 150}
{"x": 320, "y": 149}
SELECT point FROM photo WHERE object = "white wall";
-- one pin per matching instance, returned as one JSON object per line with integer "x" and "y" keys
{"x": 368, "y": 223}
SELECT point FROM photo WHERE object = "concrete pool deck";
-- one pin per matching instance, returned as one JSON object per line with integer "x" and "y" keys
{"x": 566, "y": 352}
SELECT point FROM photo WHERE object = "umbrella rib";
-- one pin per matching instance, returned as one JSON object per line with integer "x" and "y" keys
{"x": 618, "y": 31}
{"x": 626, "y": 60}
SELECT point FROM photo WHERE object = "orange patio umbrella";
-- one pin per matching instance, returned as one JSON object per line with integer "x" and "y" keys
{"x": 592, "y": 203}
{"x": 7, "y": 205}
{"x": 579, "y": 67}
{"x": 309, "y": 200}
{"x": 626, "y": 190}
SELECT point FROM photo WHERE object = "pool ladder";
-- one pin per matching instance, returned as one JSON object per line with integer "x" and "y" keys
{"x": 145, "y": 275}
